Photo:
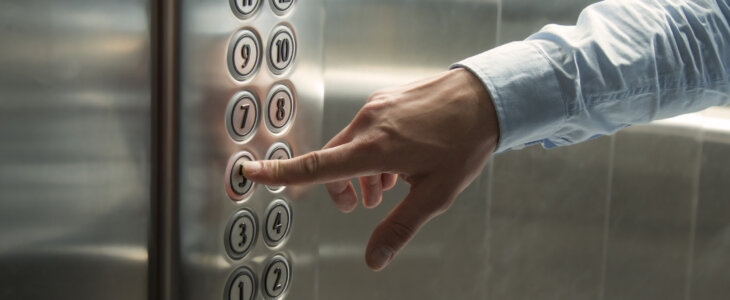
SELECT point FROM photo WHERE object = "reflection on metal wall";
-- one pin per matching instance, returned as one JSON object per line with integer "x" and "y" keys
{"x": 639, "y": 215}
{"x": 376, "y": 44}
{"x": 74, "y": 149}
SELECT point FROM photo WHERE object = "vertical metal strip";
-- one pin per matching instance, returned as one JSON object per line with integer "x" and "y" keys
{"x": 153, "y": 274}
{"x": 163, "y": 254}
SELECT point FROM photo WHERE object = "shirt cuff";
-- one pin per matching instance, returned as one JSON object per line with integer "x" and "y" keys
{"x": 525, "y": 91}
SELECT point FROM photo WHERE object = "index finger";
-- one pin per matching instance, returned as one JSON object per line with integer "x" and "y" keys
{"x": 332, "y": 164}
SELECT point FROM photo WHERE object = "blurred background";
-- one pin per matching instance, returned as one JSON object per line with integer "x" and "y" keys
{"x": 643, "y": 214}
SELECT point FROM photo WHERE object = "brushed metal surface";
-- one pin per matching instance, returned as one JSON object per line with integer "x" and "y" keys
{"x": 205, "y": 88}
{"x": 376, "y": 44}
{"x": 75, "y": 100}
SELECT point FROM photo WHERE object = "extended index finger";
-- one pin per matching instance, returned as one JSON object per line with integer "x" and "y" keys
{"x": 332, "y": 164}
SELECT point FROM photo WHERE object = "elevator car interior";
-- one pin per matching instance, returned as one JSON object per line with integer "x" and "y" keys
{"x": 124, "y": 124}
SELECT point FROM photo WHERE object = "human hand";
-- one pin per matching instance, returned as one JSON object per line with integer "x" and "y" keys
{"x": 436, "y": 134}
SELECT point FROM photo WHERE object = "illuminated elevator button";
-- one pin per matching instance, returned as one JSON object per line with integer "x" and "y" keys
{"x": 278, "y": 220}
{"x": 278, "y": 151}
{"x": 242, "y": 116}
{"x": 245, "y": 8}
{"x": 279, "y": 108}
{"x": 244, "y": 54}
{"x": 282, "y": 49}
{"x": 241, "y": 285}
{"x": 276, "y": 276}
{"x": 240, "y": 234}
{"x": 281, "y": 6}
{"x": 238, "y": 186}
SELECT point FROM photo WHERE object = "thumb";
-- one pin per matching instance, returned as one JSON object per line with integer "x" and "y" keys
{"x": 424, "y": 202}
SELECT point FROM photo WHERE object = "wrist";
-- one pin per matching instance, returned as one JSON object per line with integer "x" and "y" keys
{"x": 477, "y": 93}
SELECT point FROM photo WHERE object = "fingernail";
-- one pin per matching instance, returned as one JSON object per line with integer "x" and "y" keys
{"x": 251, "y": 167}
{"x": 380, "y": 257}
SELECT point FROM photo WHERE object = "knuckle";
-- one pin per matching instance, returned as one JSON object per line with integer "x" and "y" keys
{"x": 278, "y": 171}
{"x": 370, "y": 146}
{"x": 310, "y": 164}
{"x": 368, "y": 113}
{"x": 373, "y": 181}
{"x": 377, "y": 95}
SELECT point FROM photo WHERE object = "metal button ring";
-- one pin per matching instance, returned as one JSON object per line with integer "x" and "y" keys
{"x": 242, "y": 116}
{"x": 245, "y": 9}
{"x": 238, "y": 187}
{"x": 277, "y": 151}
{"x": 241, "y": 285}
{"x": 280, "y": 107}
{"x": 276, "y": 276}
{"x": 241, "y": 233}
{"x": 244, "y": 54}
{"x": 277, "y": 222}
{"x": 281, "y": 6}
{"x": 282, "y": 49}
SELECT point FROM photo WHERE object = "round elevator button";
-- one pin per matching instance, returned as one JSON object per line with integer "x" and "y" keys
{"x": 244, "y": 54}
{"x": 245, "y": 8}
{"x": 282, "y": 49}
{"x": 240, "y": 234}
{"x": 241, "y": 285}
{"x": 281, "y": 6}
{"x": 242, "y": 116}
{"x": 276, "y": 276}
{"x": 278, "y": 151}
{"x": 238, "y": 187}
{"x": 279, "y": 108}
{"x": 278, "y": 222}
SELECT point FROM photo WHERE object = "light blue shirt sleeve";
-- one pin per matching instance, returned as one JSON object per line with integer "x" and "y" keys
{"x": 624, "y": 62}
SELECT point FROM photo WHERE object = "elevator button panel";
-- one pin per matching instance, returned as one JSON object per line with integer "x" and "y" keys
{"x": 238, "y": 186}
{"x": 242, "y": 116}
{"x": 244, "y": 54}
{"x": 276, "y": 277}
{"x": 240, "y": 234}
{"x": 282, "y": 6}
{"x": 241, "y": 285}
{"x": 259, "y": 117}
{"x": 278, "y": 219}
{"x": 245, "y": 8}
{"x": 282, "y": 49}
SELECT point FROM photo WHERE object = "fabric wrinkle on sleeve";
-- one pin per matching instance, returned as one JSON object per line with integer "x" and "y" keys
{"x": 624, "y": 62}
{"x": 524, "y": 90}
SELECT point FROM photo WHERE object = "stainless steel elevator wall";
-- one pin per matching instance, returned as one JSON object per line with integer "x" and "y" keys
{"x": 643, "y": 214}
{"x": 376, "y": 44}
{"x": 75, "y": 131}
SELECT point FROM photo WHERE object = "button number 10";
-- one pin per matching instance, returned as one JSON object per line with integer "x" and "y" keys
{"x": 282, "y": 53}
